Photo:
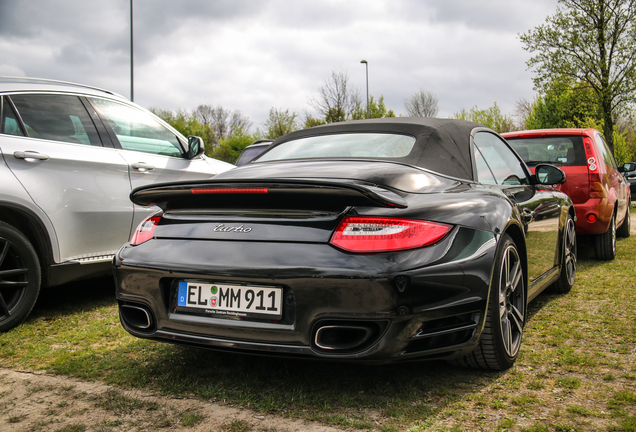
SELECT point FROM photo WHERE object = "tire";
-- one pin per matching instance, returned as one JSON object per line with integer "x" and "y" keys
{"x": 19, "y": 277}
{"x": 505, "y": 315}
{"x": 605, "y": 244}
{"x": 624, "y": 230}
{"x": 568, "y": 264}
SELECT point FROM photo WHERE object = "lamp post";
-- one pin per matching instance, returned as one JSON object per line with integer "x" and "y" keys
{"x": 366, "y": 65}
{"x": 132, "y": 68}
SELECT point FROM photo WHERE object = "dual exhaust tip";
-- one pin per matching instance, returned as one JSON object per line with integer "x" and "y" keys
{"x": 137, "y": 317}
{"x": 345, "y": 337}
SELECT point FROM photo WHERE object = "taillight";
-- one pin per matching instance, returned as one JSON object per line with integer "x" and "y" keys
{"x": 594, "y": 174}
{"x": 145, "y": 230}
{"x": 379, "y": 234}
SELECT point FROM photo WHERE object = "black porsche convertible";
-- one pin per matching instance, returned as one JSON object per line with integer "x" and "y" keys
{"x": 374, "y": 241}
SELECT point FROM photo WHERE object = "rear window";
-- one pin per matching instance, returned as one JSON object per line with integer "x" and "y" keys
{"x": 352, "y": 145}
{"x": 562, "y": 150}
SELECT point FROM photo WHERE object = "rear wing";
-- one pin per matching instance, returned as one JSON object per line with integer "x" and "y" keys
{"x": 292, "y": 194}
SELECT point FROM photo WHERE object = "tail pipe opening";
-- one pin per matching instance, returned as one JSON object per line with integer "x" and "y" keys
{"x": 137, "y": 317}
{"x": 345, "y": 337}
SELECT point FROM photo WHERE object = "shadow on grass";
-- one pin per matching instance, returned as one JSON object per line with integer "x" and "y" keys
{"x": 73, "y": 297}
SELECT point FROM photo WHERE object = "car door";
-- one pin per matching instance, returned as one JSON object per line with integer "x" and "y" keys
{"x": 498, "y": 166}
{"x": 56, "y": 153}
{"x": 154, "y": 152}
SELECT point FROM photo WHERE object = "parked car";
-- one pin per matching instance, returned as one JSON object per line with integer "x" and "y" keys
{"x": 374, "y": 241}
{"x": 252, "y": 150}
{"x": 70, "y": 156}
{"x": 629, "y": 172}
{"x": 600, "y": 194}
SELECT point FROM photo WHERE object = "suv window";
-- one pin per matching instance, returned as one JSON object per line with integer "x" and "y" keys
{"x": 56, "y": 118}
{"x": 9, "y": 124}
{"x": 137, "y": 130}
{"x": 502, "y": 163}
{"x": 558, "y": 150}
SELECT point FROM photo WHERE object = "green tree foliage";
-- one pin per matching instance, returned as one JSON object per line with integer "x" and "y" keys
{"x": 313, "y": 121}
{"x": 376, "y": 110}
{"x": 230, "y": 133}
{"x": 280, "y": 123}
{"x": 490, "y": 117}
{"x": 592, "y": 41}
{"x": 231, "y": 147}
{"x": 187, "y": 124}
{"x": 566, "y": 104}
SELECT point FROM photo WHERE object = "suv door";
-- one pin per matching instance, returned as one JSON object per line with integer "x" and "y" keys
{"x": 154, "y": 153}
{"x": 81, "y": 185}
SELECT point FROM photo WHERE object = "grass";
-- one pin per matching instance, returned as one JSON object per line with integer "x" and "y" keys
{"x": 576, "y": 370}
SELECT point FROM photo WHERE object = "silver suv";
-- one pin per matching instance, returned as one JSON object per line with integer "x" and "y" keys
{"x": 69, "y": 157}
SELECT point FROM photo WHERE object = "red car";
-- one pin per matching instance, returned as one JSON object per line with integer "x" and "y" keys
{"x": 599, "y": 191}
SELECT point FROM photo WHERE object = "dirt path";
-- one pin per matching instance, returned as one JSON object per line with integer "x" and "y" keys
{"x": 40, "y": 402}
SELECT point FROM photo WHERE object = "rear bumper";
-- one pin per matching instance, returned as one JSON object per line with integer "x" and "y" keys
{"x": 599, "y": 208}
{"x": 425, "y": 303}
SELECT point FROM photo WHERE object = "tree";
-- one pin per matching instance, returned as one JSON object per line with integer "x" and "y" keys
{"x": 223, "y": 122}
{"x": 376, "y": 110}
{"x": 421, "y": 104}
{"x": 566, "y": 104}
{"x": 280, "y": 123}
{"x": 592, "y": 41}
{"x": 490, "y": 117}
{"x": 231, "y": 147}
{"x": 337, "y": 99}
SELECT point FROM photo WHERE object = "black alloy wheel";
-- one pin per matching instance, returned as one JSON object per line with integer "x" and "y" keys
{"x": 568, "y": 261}
{"x": 505, "y": 318}
{"x": 605, "y": 244}
{"x": 19, "y": 277}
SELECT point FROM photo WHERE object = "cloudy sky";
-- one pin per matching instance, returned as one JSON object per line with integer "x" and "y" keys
{"x": 252, "y": 55}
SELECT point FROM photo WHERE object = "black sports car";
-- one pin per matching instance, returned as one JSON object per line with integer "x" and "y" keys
{"x": 375, "y": 240}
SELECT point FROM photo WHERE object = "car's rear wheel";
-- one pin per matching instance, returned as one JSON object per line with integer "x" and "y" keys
{"x": 624, "y": 230}
{"x": 505, "y": 318}
{"x": 568, "y": 265}
{"x": 19, "y": 277}
{"x": 605, "y": 244}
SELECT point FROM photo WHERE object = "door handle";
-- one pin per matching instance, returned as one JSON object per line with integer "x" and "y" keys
{"x": 143, "y": 166}
{"x": 30, "y": 154}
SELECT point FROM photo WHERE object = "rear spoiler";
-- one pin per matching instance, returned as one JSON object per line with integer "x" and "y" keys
{"x": 290, "y": 194}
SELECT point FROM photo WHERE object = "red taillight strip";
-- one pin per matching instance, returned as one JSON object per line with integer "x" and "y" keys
{"x": 230, "y": 191}
{"x": 379, "y": 234}
{"x": 145, "y": 230}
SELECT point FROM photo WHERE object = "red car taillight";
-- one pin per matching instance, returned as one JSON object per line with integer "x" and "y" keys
{"x": 594, "y": 174}
{"x": 145, "y": 230}
{"x": 378, "y": 234}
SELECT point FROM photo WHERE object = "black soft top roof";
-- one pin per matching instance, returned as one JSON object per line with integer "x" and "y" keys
{"x": 442, "y": 145}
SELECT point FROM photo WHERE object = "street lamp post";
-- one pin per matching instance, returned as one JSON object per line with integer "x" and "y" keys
{"x": 366, "y": 65}
{"x": 132, "y": 67}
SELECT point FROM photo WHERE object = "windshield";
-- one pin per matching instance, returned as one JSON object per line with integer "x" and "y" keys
{"x": 562, "y": 150}
{"x": 351, "y": 145}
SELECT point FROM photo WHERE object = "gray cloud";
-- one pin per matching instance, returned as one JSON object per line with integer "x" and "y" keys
{"x": 254, "y": 55}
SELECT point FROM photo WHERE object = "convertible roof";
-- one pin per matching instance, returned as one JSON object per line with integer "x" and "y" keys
{"x": 442, "y": 145}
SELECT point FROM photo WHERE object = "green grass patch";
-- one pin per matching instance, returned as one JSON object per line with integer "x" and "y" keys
{"x": 576, "y": 369}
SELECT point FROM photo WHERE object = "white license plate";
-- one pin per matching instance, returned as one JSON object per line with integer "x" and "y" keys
{"x": 237, "y": 300}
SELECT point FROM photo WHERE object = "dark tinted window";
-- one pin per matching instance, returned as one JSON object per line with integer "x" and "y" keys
{"x": 9, "y": 124}
{"x": 56, "y": 118}
{"x": 560, "y": 150}
{"x": 504, "y": 165}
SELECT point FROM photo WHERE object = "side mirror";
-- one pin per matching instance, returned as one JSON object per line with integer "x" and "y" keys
{"x": 627, "y": 166}
{"x": 549, "y": 174}
{"x": 195, "y": 147}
